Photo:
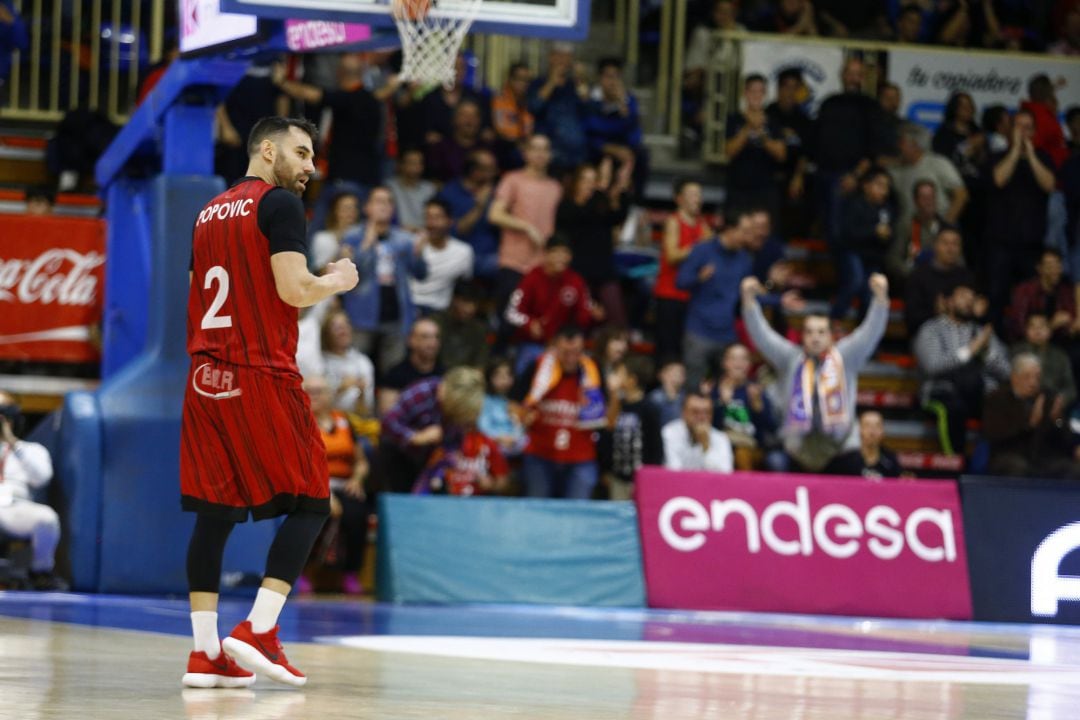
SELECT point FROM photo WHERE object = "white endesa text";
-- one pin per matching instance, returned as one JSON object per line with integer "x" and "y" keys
{"x": 55, "y": 276}
{"x": 684, "y": 523}
{"x": 224, "y": 211}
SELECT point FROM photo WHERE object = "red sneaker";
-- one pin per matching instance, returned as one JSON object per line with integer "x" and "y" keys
{"x": 262, "y": 652}
{"x": 221, "y": 672}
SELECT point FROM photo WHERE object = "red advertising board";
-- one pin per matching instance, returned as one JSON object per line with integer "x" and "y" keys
{"x": 51, "y": 286}
{"x": 803, "y": 544}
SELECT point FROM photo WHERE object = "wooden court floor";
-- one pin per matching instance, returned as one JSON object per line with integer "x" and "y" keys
{"x": 51, "y": 669}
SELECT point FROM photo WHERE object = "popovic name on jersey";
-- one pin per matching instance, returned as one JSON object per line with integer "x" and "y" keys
{"x": 224, "y": 211}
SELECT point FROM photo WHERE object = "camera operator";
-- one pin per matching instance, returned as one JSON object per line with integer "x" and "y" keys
{"x": 24, "y": 467}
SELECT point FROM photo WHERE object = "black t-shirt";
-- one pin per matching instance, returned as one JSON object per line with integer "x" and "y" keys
{"x": 753, "y": 169}
{"x": 849, "y": 129}
{"x": 590, "y": 227}
{"x": 853, "y": 463}
{"x": 1016, "y": 213}
{"x": 354, "y": 140}
{"x": 798, "y": 139}
{"x": 405, "y": 374}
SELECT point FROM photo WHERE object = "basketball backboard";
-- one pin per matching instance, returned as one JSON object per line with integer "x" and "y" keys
{"x": 556, "y": 19}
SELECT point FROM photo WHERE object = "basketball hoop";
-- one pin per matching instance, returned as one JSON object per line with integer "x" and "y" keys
{"x": 431, "y": 37}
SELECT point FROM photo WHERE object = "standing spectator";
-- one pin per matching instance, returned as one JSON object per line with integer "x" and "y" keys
{"x": 499, "y": 417}
{"x": 341, "y": 218}
{"x": 866, "y": 233}
{"x": 470, "y": 198}
{"x": 667, "y": 398}
{"x": 692, "y": 443}
{"x": 564, "y": 406}
{"x": 613, "y": 124}
{"x": 549, "y": 297}
{"x": 1016, "y": 204}
{"x": 917, "y": 163}
{"x": 1042, "y": 104}
{"x": 1026, "y": 427}
{"x": 1070, "y": 185}
{"x": 421, "y": 363}
{"x": 446, "y": 157}
{"x": 1049, "y": 294}
{"x": 431, "y": 414}
{"x": 743, "y": 411}
{"x": 790, "y": 17}
{"x": 795, "y": 126}
{"x": 909, "y": 24}
{"x": 872, "y": 460}
{"x": 354, "y": 153}
{"x": 931, "y": 282}
{"x": 1056, "y": 370}
{"x": 914, "y": 238}
{"x": 411, "y": 191}
{"x": 524, "y": 208}
{"x": 683, "y": 229}
{"x": 891, "y": 122}
{"x": 558, "y": 102}
{"x": 440, "y": 104}
{"x": 711, "y": 274}
{"x": 959, "y": 361}
{"x": 592, "y": 209}
{"x": 819, "y": 380}
{"x": 254, "y": 97}
{"x": 958, "y": 137}
{"x": 13, "y": 37}
{"x": 635, "y": 428}
{"x": 380, "y": 307}
{"x": 703, "y": 50}
{"x": 997, "y": 125}
{"x": 464, "y": 335}
{"x": 349, "y": 374}
{"x": 756, "y": 151}
{"x": 348, "y": 466}
{"x": 25, "y": 467}
{"x": 448, "y": 259}
{"x": 510, "y": 108}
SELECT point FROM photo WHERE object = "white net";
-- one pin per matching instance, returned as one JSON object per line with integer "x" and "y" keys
{"x": 431, "y": 37}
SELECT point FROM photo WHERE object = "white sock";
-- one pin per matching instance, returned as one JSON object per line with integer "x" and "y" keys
{"x": 264, "y": 613}
{"x": 204, "y": 629}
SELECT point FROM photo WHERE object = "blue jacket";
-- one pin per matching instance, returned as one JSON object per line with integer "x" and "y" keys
{"x": 13, "y": 37}
{"x": 606, "y": 125}
{"x": 361, "y": 303}
{"x": 711, "y": 311}
{"x": 562, "y": 119}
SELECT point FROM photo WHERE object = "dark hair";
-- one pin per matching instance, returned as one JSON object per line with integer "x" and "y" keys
{"x": 874, "y": 172}
{"x": 493, "y": 365}
{"x": 908, "y": 9}
{"x": 558, "y": 240}
{"x": 694, "y": 394}
{"x": 1072, "y": 112}
{"x": 1036, "y": 314}
{"x": 1051, "y": 251}
{"x": 789, "y": 74}
{"x": 407, "y": 150}
{"x": 954, "y": 102}
{"x": 570, "y": 331}
{"x": 733, "y": 214}
{"x": 681, "y": 183}
{"x": 1040, "y": 88}
{"x": 948, "y": 227}
{"x": 605, "y": 62}
{"x": 468, "y": 290}
{"x": 640, "y": 367}
{"x": 514, "y": 67}
{"x": 272, "y": 126}
{"x": 922, "y": 183}
{"x": 40, "y": 192}
{"x": 755, "y": 77}
{"x": 442, "y": 204}
{"x": 331, "y": 212}
{"x": 888, "y": 86}
{"x": 992, "y": 116}
{"x": 472, "y": 160}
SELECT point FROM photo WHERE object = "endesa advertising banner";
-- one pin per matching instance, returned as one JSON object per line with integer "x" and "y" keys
{"x": 51, "y": 271}
{"x": 803, "y": 544}
{"x": 1024, "y": 541}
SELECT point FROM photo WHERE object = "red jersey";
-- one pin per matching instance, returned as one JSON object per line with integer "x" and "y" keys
{"x": 234, "y": 312}
{"x": 554, "y": 300}
{"x": 458, "y": 471}
{"x": 556, "y": 434}
{"x": 665, "y": 280}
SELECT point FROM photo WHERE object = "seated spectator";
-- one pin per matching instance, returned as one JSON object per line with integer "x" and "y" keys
{"x": 563, "y": 404}
{"x": 448, "y": 259}
{"x": 349, "y": 374}
{"x": 470, "y": 199}
{"x": 437, "y": 106}
{"x": 510, "y": 109}
{"x": 917, "y": 163}
{"x": 499, "y": 417}
{"x": 422, "y": 362}
{"x": 39, "y": 200}
{"x": 790, "y": 17}
{"x": 611, "y": 345}
{"x": 592, "y": 209}
{"x": 867, "y": 232}
{"x": 341, "y": 218}
{"x": 1049, "y": 294}
{"x": 464, "y": 336}
{"x": 683, "y": 229}
{"x": 819, "y": 380}
{"x": 558, "y": 102}
{"x": 743, "y": 411}
{"x": 524, "y": 209}
{"x": 872, "y": 460}
{"x": 634, "y": 426}
{"x": 756, "y": 151}
{"x": 380, "y": 307}
{"x": 411, "y": 191}
{"x": 347, "y": 530}
{"x": 309, "y": 346}
{"x": 432, "y": 414}
{"x": 914, "y": 238}
{"x": 711, "y": 274}
{"x": 1057, "y": 371}
{"x": 1026, "y": 427}
{"x": 959, "y": 361}
{"x": 613, "y": 124}
{"x": 549, "y": 297}
{"x": 929, "y": 283}
{"x": 24, "y": 468}
{"x": 446, "y": 157}
{"x": 667, "y": 398}
{"x": 692, "y": 443}
{"x": 796, "y": 128}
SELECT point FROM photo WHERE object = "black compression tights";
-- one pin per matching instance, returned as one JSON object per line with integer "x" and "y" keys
{"x": 292, "y": 545}
{"x": 205, "y": 551}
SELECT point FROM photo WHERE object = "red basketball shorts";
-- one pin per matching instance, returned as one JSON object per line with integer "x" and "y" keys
{"x": 248, "y": 443}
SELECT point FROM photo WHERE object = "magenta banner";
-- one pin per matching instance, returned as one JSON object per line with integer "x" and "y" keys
{"x": 803, "y": 544}
{"x": 302, "y": 35}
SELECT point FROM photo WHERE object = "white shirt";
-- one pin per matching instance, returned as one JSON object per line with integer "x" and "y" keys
{"x": 26, "y": 466}
{"x": 682, "y": 453}
{"x": 309, "y": 358}
{"x": 445, "y": 267}
{"x": 352, "y": 364}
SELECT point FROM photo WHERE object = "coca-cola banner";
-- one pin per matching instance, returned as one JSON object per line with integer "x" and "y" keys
{"x": 51, "y": 272}
{"x": 803, "y": 544}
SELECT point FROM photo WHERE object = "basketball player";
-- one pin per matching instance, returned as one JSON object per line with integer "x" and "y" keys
{"x": 249, "y": 444}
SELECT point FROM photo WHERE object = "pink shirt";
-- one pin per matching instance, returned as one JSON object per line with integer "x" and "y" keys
{"x": 532, "y": 199}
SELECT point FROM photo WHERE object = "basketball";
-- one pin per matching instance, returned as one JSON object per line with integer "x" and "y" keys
{"x": 412, "y": 9}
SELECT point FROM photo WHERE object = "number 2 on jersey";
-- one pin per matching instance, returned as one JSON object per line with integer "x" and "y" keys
{"x": 211, "y": 320}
